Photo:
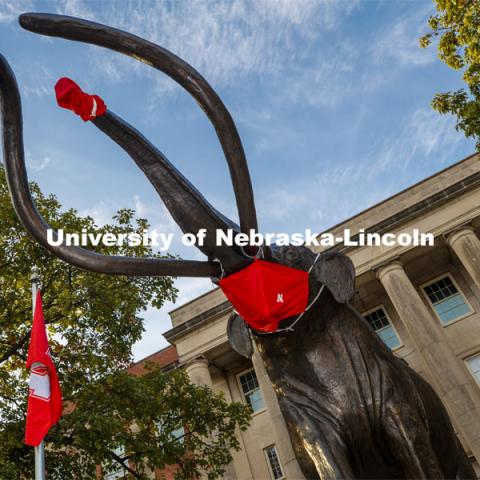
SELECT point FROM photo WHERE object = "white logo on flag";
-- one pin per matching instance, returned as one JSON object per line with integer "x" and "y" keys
{"x": 279, "y": 297}
{"x": 39, "y": 385}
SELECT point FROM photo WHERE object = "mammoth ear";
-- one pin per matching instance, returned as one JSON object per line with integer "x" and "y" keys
{"x": 239, "y": 336}
{"x": 336, "y": 271}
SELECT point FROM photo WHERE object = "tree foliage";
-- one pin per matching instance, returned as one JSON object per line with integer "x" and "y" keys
{"x": 456, "y": 27}
{"x": 93, "y": 320}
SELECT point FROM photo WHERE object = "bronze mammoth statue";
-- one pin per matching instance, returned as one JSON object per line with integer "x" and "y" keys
{"x": 352, "y": 408}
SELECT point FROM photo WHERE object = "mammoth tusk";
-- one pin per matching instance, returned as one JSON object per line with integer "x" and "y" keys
{"x": 97, "y": 34}
{"x": 11, "y": 118}
{"x": 190, "y": 210}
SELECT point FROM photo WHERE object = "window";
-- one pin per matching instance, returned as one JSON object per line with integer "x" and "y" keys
{"x": 118, "y": 471}
{"x": 474, "y": 366}
{"x": 381, "y": 325}
{"x": 251, "y": 390}
{"x": 273, "y": 462}
{"x": 179, "y": 434}
{"x": 448, "y": 302}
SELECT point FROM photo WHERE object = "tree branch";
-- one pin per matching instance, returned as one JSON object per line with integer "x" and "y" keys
{"x": 16, "y": 346}
{"x": 121, "y": 461}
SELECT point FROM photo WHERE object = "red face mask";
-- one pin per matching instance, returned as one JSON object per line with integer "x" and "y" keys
{"x": 265, "y": 293}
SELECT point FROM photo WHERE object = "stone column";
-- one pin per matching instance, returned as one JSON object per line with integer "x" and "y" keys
{"x": 198, "y": 372}
{"x": 279, "y": 427}
{"x": 450, "y": 378}
{"x": 465, "y": 243}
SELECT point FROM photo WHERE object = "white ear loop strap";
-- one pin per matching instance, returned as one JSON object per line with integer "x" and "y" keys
{"x": 314, "y": 262}
{"x": 257, "y": 255}
{"x": 290, "y": 328}
{"x": 222, "y": 274}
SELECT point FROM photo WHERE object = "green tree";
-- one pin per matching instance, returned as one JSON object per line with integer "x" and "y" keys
{"x": 93, "y": 320}
{"x": 456, "y": 27}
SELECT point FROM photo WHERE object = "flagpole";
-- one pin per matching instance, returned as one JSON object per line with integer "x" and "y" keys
{"x": 40, "y": 450}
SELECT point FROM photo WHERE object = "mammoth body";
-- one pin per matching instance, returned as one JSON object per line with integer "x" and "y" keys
{"x": 352, "y": 408}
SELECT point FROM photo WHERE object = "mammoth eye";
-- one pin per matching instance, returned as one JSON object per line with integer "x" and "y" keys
{"x": 291, "y": 254}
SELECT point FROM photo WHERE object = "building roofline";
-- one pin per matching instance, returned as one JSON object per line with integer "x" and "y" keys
{"x": 144, "y": 359}
{"x": 428, "y": 203}
{"x": 208, "y": 292}
{"x": 192, "y": 324}
{"x": 401, "y": 192}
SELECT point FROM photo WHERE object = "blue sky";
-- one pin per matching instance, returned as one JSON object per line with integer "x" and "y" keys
{"x": 331, "y": 99}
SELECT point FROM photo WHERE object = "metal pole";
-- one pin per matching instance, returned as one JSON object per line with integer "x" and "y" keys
{"x": 40, "y": 450}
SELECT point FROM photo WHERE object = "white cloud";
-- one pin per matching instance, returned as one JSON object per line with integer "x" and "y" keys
{"x": 224, "y": 40}
{"x": 345, "y": 69}
{"x": 160, "y": 220}
{"x": 76, "y": 8}
{"x": 424, "y": 134}
{"x": 35, "y": 80}
{"x": 156, "y": 214}
{"x": 11, "y": 9}
{"x": 36, "y": 90}
{"x": 399, "y": 43}
{"x": 36, "y": 163}
{"x": 432, "y": 132}
{"x": 425, "y": 140}
{"x": 101, "y": 213}
{"x": 327, "y": 79}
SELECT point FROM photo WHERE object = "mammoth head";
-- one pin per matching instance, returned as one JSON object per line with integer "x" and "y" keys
{"x": 331, "y": 270}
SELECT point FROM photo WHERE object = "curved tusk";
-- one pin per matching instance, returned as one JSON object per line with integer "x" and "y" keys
{"x": 190, "y": 210}
{"x": 11, "y": 117}
{"x": 97, "y": 34}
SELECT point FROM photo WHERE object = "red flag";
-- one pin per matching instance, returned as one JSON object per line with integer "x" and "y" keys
{"x": 45, "y": 397}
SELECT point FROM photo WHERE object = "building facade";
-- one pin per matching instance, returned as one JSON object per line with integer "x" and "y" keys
{"x": 424, "y": 302}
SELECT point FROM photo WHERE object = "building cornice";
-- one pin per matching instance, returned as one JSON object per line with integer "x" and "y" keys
{"x": 195, "y": 322}
{"x": 434, "y": 201}
{"x": 398, "y": 196}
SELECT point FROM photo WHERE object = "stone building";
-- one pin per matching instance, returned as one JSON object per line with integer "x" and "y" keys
{"x": 424, "y": 302}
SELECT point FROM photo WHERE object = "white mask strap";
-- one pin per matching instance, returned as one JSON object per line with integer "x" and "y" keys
{"x": 314, "y": 262}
